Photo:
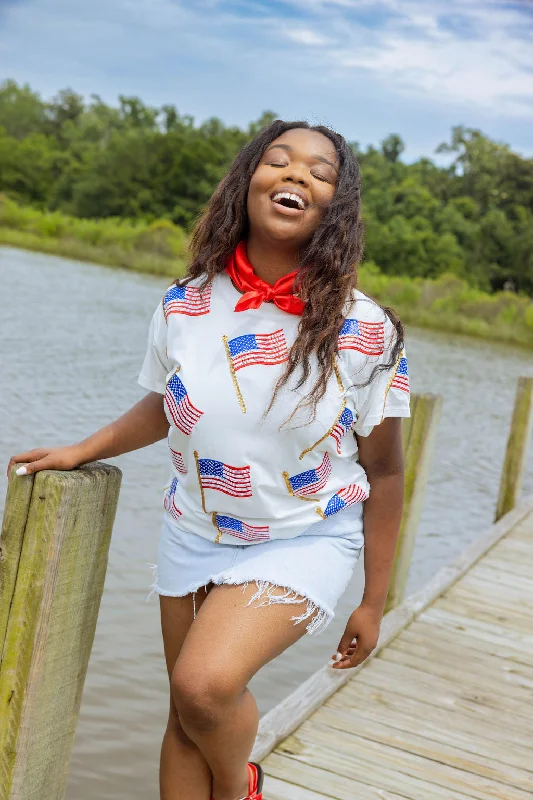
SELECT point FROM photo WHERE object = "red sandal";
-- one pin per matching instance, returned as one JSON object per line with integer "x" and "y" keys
{"x": 255, "y": 782}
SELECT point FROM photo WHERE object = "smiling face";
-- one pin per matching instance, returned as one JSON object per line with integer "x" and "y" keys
{"x": 291, "y": 187}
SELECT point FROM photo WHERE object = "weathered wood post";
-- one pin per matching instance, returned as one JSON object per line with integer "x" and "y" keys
{"x": 418, "y": 435}
{"x": 53, "y": 559}
{"x": 512, "y": 478}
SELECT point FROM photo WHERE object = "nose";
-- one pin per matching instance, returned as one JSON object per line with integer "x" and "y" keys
{"x": 294, "y": 173}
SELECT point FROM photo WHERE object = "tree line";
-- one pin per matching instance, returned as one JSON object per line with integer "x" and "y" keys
{"x": 472, "y": 218}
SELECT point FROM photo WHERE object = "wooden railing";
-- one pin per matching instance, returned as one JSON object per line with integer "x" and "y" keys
{"x": 53, "y": 559}
{"x": 419, "y": 432}
{"x": 517, "y": 447}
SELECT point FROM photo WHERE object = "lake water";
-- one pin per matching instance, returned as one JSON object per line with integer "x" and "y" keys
{"x": 73, "y": 339}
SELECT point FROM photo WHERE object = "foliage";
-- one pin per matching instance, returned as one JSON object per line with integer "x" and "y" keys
{"x": 448, "y": 303}
{"x": 472, "y": 219}
{"x": 159, "y": 247}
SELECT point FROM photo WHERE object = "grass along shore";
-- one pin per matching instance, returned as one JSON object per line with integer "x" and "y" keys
{"x": 160, "y": 247}
{"x": 447, "y": 303}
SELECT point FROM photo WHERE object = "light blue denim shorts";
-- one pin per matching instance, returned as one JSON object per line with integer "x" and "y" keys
{"x": 315, "y": 565}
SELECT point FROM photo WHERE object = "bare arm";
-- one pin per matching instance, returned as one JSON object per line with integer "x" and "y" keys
{"x": 382, "y": 460}
{"x": 144, "y": 424}
{"x": 381, "y": 455}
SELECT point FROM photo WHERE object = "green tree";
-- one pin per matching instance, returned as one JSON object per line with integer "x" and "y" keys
{"x": 67, "y": 107}
{"x": 28, "y": 168}
{"x": 392, "y": 147}
{"x": 21, "y": 111}
{"x": 473, "y": 217}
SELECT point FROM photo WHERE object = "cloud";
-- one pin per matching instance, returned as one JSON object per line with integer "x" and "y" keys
{"x": 306, "y": 36}
{"x": 461, "y": 52}
{"x": 367, "y": 67}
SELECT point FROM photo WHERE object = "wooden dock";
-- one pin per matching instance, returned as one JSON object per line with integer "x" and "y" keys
{"x": 443, "y": 710}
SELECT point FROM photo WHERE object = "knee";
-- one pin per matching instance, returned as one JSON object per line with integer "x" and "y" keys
{"x": 175, "y": 728}
{"x": 202, "y": 695}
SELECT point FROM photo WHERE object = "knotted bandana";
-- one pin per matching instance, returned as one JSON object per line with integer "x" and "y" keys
{"x": 256, "y": 290}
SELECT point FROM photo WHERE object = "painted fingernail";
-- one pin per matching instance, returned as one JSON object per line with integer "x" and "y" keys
{"x": 21, "y": 471}
{"x": 338, "y": 657}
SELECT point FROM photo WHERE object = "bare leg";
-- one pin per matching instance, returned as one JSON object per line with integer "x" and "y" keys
{"x": 225, "y": 647}
{"x": 184, "y": 773}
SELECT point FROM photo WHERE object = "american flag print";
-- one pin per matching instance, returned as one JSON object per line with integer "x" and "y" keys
{"x": 341, "y": 427}
{"x": 177, "y": 460}
{"x": 169, "y": 501}
{"x": 345, "y": 497}
{"x": 182, "y": 412}
{"x": 258, "y": 348}
{"x": 187, "y": 300}
{"x": 365, "y": 337}
{"x": 235, "y": 481}
{"x": 312, "y": 480}
{"x": 401, "y": 378}
{"x": 235, "y": 527}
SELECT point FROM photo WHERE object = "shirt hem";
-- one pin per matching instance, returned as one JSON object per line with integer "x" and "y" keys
{"x": 389, "y": 412}
{"x": 146, "y": 383}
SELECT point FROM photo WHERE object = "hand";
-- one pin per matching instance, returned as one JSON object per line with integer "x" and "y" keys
{"x": 359, "y": 638}
{"x": 63, "y": 458}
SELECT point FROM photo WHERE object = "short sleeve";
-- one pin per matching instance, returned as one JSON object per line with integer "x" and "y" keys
{"x": 388, "y": 393}
{"x": 156, "y": 364}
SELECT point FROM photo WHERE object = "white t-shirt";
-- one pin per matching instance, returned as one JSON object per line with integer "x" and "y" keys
{"x": 238, "y": 476}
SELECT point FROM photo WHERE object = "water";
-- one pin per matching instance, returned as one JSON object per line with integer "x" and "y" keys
{"x": 73, "y": 339}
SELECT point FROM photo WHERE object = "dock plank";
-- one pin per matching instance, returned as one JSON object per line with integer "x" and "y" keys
{"x": 292, "y": 776}
{"x": 429, "y": 747}
{"x": 507, "y": 595}
{"x": 481, "y": 641}
{"x": 440, "y": 691}
{"x": 471, "y": 676}
{"x": 362, "y": 771}
{"x": 513, "y": 565}
{"x": 488, "y": 631}
{"x": 391, "y": 768}
{"x": 500, "y": 577}
{"x": 517, "y": 614}
{"x": 442, "y": 710}
{"x": 462, "y": 640}
{"x": 509, "y": 740}
{"x": 447, "y": 652}
{"x": 412, "y": 717}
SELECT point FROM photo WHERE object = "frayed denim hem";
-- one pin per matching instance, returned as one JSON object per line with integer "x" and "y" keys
{"x": 267, "y": 594}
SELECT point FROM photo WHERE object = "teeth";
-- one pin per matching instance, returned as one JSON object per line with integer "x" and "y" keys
{"x": 289, "y": 196}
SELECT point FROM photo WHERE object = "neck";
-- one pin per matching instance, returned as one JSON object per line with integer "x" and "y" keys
{"x": 270, "y": 260}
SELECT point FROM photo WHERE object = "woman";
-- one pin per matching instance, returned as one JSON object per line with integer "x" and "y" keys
{"x": 280, "y": 387}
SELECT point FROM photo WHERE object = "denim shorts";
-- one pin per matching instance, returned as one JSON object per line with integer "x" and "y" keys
{"x": 314, "y": 565}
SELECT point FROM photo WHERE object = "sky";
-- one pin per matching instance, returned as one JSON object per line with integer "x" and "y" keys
{"x": 367, "y": 69}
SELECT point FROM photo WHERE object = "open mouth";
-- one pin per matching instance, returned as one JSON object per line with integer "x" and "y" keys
{"x": 289, "y": 200}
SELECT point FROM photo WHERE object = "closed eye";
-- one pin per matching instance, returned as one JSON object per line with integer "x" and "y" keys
{"x": 320, "y": 178}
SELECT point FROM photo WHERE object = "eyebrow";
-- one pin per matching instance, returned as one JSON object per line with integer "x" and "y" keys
{"x": 315, "y": 155}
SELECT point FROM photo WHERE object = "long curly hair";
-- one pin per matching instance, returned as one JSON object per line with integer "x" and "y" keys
{"x": 331, "y": 258}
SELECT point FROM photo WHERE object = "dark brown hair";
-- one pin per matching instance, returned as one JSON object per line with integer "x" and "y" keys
{"x": 331, "y": 258}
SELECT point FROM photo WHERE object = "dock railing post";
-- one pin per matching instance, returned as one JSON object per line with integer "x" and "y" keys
{"x": 53, "y": 559}
{"x": 512, "y": 478}
{"x": 419, "y": 432}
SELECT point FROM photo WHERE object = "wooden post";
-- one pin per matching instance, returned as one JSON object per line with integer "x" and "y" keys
{"x": 517, "y": 446}
{"x": 53, "y": 559}
{"x": 419, "y": 433}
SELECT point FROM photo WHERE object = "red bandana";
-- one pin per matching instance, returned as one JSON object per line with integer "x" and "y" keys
{"x": 256, "y": 290}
